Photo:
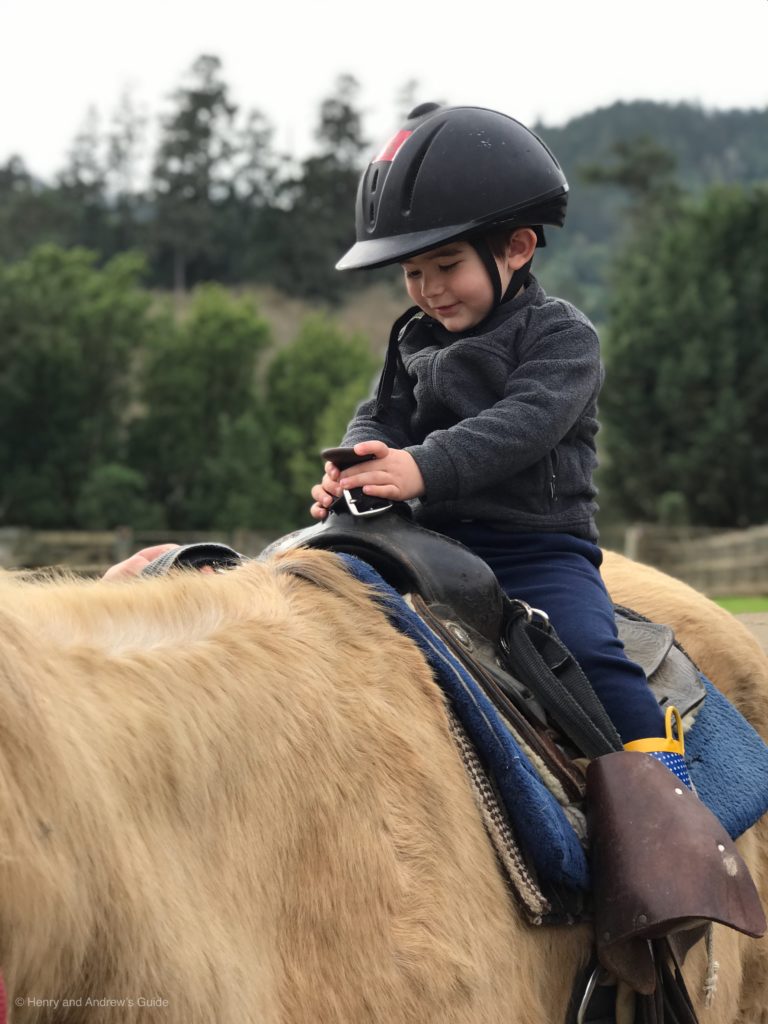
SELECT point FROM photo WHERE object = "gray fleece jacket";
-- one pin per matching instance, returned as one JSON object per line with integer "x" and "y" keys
{"x": 501, "y": 423}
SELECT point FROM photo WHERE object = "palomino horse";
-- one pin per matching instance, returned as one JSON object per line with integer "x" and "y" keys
{"x": 235, "y": 798}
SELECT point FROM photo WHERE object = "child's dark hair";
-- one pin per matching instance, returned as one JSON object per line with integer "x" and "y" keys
{"x": 498, "y": 238}
{"x": 497, "y": 241}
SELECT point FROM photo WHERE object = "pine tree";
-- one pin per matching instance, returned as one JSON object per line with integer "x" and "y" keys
{"x": 192, "y": 175}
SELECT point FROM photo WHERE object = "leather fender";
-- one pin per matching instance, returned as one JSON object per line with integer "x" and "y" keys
{"x": 661, "y": 863}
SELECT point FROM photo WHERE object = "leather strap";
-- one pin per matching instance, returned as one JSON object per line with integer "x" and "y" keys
{"x": 393, "y": 361}
{"x": 678, "y": 1008}
{"x": 594, "y": 1002}
{"x": 591, "y": 1001}
{"x": 479, "y": 657}
{"x": 536, "y": 654}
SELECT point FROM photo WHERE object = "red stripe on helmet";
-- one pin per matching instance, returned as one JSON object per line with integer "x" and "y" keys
{"x": 390, "y": 151}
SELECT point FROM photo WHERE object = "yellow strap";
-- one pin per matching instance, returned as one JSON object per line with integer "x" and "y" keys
{"x": 668, "y": 743}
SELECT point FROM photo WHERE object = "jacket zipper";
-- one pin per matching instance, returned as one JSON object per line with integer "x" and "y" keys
{"x": 554, "y": 461}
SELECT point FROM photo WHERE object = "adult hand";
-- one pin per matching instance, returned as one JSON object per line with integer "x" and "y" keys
{"x": 394, "y": 474}
{"x": 132, "y": 566}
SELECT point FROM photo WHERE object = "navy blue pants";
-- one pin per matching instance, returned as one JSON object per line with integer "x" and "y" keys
{"x": 560, "y": 574}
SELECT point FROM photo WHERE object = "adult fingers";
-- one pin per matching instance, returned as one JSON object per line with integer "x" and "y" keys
{"x": 132, "y": 566}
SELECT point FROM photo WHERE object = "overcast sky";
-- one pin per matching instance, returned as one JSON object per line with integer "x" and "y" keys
{"x": 538, "y": 59}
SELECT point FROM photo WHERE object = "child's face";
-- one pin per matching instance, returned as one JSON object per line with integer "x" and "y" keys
{"x": 451, "y": 285}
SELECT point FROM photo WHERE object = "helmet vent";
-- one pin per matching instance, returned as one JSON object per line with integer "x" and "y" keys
{"x": 409, "y": 183}
{"x": 375, "y": 180}
{"x": 371, "y": 213}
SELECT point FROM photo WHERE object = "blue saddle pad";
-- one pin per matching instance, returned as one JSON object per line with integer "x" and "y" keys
{"x": 728, "y": 760}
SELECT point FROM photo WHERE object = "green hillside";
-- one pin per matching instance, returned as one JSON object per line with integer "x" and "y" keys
{"x": 708, "y": 147}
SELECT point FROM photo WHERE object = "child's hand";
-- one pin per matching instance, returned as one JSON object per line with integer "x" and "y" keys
{"x": 394, "y": 474}
{"x": 325, "y": 492}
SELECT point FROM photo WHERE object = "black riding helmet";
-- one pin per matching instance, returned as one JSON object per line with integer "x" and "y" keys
{"x": 453, "y": 172}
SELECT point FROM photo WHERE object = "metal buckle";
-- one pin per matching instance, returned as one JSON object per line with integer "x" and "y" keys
{"x": 532, "y": 613}
{"x": 586, "y": 999}
{"x": 352, "y": 504}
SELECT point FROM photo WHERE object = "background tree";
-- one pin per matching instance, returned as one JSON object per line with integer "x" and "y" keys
{"x": 27, "y": 215}
{"x": 707, "y": 146}
{"x": 200, "y": 396}
{"x": 251, "y": 493}
{"x": 82, "y": 188}
{"x": 647, "y": 173}
{"x": 252, "y": 213}
{"x": 686, "y": 395}
{"x": 67, "y": 335}
{"x": 114, "y": 495}
{"x": 191, "y": 177}
{"x": 406, "y": 98}
{"x": 319, "y": 222}
{"x": 125, "y": 154}
{"x": 313, "y": 387}
{"x": 222, "y": 205}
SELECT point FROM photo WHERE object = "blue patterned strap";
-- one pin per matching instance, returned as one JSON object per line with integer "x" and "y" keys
{"x": 675, "y": 763}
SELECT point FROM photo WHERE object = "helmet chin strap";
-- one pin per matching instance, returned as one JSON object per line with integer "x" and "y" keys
{"x": 516, "y": 282}
{"x": 393, "y": 361}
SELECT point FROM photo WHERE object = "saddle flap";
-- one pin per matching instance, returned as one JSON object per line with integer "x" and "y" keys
{"x": 661, "y": 861}
{"x": 673, "y": 677}
{"x": 646, "y": 643}
{"x": 515, "y": 702}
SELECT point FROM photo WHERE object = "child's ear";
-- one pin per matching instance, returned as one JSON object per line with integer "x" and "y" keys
{"x": 521, "y": 247}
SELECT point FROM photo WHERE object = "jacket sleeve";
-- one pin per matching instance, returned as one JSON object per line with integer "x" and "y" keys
{"x": 557, "y": 379}
{"x": 392, "y": 428}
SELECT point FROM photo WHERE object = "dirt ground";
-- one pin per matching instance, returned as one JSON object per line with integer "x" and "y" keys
{"x": 758, "y": 623}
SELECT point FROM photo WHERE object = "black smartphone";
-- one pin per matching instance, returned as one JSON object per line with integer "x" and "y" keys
{"x": 343, "y": 458}
{"x": 358, "y": 503}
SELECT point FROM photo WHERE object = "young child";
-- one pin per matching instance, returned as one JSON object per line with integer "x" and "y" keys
{"x": 486, "y": 411}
